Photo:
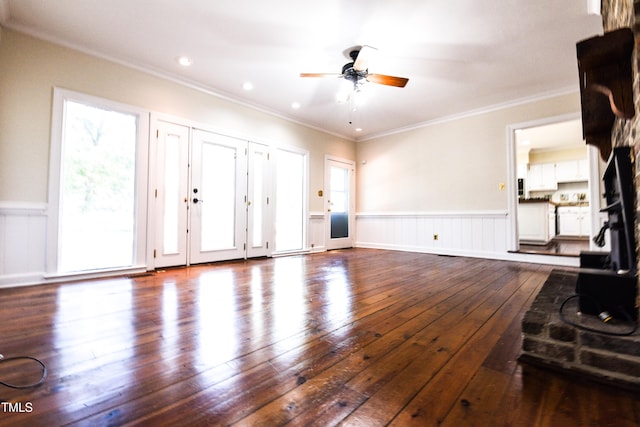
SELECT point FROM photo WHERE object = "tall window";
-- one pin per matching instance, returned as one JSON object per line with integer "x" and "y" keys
{"x": 290, "y": 200}
{"x": 95, "y": 185}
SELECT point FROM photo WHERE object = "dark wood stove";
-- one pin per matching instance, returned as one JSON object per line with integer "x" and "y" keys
{"x": 607, "y": 282}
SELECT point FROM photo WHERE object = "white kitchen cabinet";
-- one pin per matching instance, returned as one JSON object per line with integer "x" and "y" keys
{"x": 551, "y": 212}
{"x": 536, "y": 222}
{"x": 542, "y": 176}
{"x": 583, "y": 170}
{"x": 572, "y": 171}
{"x": 574, "y": 221}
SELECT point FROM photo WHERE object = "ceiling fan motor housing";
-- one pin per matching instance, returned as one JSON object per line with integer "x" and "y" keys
{"x": 351, "y": 73}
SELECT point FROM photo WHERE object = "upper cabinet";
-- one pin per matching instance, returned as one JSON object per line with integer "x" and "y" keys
{"x": 572, "y": 171}
{"x": 547, "y": 176}
{"x": 542, "y": 176}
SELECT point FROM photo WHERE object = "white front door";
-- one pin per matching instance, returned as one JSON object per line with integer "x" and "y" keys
{"x": 217, "y": 204}
{"x": 340, "y": 202}
{"x": 212, "y": 197}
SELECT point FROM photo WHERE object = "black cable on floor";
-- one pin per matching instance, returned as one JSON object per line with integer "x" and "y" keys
{"x": 586, "y": 328}
{"x": 23, "y": 386}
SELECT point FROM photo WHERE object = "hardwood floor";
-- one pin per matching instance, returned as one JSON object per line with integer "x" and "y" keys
{"x": 352, "y": 337}
{"x": 558, "y": 246}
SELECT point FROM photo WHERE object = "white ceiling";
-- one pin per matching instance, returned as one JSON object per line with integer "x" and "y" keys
{"x": 554, "y": 136}
{"x": 460, "y": 55}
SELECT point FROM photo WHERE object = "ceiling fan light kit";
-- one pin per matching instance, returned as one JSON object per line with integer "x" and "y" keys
{"x": 355, "y": 75}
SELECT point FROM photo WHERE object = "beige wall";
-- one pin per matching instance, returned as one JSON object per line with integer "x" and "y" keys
{"x": 31, "y": 68}
{"x": 558, "y": 155}
{"x": 451, "y": 166}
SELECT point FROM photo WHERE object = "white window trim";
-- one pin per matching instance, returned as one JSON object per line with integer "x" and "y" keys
{"x": 60, "y": 96}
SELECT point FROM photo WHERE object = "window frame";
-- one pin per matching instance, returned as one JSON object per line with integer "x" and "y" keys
{"x": 60, "y": 98}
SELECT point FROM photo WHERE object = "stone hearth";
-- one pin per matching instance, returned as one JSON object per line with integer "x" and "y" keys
{"x": 551, "y": 342}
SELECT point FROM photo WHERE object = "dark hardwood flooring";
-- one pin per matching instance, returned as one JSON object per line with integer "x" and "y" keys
{"x": 352, "y": 337}
{"x": 558, "y": 246}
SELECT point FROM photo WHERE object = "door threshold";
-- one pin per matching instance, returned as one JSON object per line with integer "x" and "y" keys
{"x": 543, "y": 251}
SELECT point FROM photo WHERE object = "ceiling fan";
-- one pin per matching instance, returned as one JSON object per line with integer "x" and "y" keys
{"x": 357, "y": 71}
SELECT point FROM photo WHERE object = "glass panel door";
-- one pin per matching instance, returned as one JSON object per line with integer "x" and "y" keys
{"x": 339, "y": 202}
{"x": 217, "y": 207}
{"x": 172, "y": 194}
{"x": 258, "y": 201}
{"x": 290, "y": 200}
{"x": 339, "y": 187}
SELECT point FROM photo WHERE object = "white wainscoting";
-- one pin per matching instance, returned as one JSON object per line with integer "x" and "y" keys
{"x": 316, "y": 232}
{"x": 23, "y": 234}
{"x": 482, "y": 233}
{"x": 23, "y": 231}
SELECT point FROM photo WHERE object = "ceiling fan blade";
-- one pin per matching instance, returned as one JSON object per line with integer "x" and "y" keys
{"x": 320, "y": 75}
{"x": 362, "y": 61}
{"x": 387, "y": 80}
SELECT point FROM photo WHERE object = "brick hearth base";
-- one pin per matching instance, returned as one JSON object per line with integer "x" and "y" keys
{"x": 549, "y": 341}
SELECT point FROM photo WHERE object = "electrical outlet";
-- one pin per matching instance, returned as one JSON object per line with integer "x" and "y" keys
{"x": 435, "y": 237}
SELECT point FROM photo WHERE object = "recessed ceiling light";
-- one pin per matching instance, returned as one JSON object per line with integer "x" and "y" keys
{"x": 295, "y": 105}
{"x": 185, "y": 61}
{"x": 247, "y": 86}
{"x": 358, "y": 129}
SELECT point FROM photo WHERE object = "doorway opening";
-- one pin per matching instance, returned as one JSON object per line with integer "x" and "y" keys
{"x": 555, "y": 199}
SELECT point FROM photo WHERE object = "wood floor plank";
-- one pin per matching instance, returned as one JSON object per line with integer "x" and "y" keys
{"x": 446, "y": 365}
{"x": 341, "y": 337}
{"x": 428, "y": 406}
{"x": 377, "y": 366}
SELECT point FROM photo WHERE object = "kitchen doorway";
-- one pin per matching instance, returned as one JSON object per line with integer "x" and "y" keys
{"x": 554, "y": 204}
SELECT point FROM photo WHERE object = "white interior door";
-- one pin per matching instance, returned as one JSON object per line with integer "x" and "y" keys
{"x": 340, "y": 202}
{"x": 217, "y": 203}
{"x": 171, "y": 194}
{"x": 258, "y": 201}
